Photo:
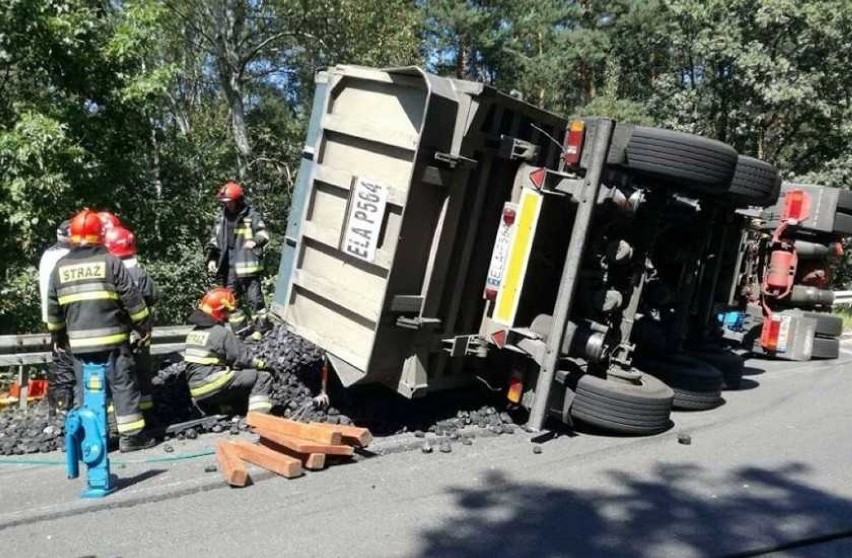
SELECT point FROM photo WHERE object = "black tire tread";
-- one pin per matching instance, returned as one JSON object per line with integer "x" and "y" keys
{"x": 755, "y": 182}
{"x": 685, "y": 159}
{"x": 826, "y": 348}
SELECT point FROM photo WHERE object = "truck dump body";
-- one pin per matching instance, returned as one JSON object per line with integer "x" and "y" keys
{"x": 389, "y": 254}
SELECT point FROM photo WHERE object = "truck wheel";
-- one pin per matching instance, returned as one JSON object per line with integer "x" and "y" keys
{"x": 731, "y": 365}
{"x": 755, "y": 182}
{"x": 681, "y": 160}
{"x": 827, "y": 325}
{"x": 696, "y": 384}
{"x": 826, "y": 348}
{"x": 622, "y": 406}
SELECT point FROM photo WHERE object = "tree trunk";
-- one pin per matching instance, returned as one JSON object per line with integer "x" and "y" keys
{"x": 229, "y": 16}
{"x": 461, "y": 58}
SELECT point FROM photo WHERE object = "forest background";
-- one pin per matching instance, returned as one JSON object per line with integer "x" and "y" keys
{"x": 146, "y": 107}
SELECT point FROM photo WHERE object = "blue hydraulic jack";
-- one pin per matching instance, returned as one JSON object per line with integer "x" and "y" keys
{"x": 86, "y": 434}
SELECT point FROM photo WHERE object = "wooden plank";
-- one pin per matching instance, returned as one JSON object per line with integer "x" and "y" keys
{"x": 310, "y": 461}
{"x": 284, "y": 465}
{"x": 351, "y": 434}
{"x": 288, "y": 427}
{"x": 233, "y": 469}
{"x": 304, "y": 446}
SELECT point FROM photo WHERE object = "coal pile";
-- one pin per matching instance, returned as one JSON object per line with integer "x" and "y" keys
{"x": 30, "y": 430}
{"x": 295, "y": 365}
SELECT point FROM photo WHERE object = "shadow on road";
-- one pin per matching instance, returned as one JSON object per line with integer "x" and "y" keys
{"x": 126, "y": 482}
{"x": 685, "y": 511}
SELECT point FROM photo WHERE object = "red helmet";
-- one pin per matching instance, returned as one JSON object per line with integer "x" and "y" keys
{"x": 218, "y": 303}
{"x": 109, "y": 219}
{"x": 231, "y": 191}
{"x": 86, "y": 228}
{"x": 120, "y": 242}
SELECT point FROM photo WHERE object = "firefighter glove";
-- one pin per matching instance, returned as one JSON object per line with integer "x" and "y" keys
{"x": 250, "y": 244}
{"x": 212, "y": 267}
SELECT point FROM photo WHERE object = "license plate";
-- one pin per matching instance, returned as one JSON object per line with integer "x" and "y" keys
{"x": 500, "y": 253}
{"x": 366, "y": 215}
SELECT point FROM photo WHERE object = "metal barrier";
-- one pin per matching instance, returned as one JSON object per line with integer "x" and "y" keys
{"x": 35, "y": 348}
{"x": 842, "y": 298}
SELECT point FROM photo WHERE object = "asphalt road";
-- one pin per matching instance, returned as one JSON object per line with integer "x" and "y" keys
{"x": 770, "y": 467}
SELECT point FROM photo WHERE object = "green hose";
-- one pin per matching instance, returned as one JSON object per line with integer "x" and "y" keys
{"x": 153, "y": 459}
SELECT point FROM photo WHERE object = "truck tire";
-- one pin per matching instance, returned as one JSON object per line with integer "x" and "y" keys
{"x": 731, "y": 365}
{"x": 681, "y": 160}
{"x": 826, "y": 348}
{"x": 827, "y": 325}
{"x": 696, "y": 384}
{"x": 755, "y": 182}
{"x": 623, "y": 407}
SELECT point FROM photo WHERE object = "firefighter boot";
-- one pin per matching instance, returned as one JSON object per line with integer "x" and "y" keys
{"x": 135, "y": 442}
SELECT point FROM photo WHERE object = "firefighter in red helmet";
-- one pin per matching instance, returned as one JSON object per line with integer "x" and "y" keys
{"x": 219, "y": 369}
{"x": 92, "y": 305}
{"x": 110, "y": 220}
{"x": 234, "y": 254}
{"x": 121, "y": 243}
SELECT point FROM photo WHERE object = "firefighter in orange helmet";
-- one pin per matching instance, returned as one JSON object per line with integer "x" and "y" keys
{"x": 121, "y": 243}
{"x": 92, "y": 305}
{"x": 234, "y": 254}
{"x": 219, "y": 370}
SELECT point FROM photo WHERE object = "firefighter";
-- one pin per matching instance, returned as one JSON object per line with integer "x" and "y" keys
{"x": 234, "y": 255}
{"x": 60, "y": 390}
{"x": 90, "y": 298}
{"x": 219, "y": 369}
{"x": 110, "y": 220}
{"x": 121, "y": 243}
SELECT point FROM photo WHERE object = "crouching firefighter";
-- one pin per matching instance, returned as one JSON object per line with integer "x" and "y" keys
{"x": 90, "y": 297}
{"x": 121, "y": 243}
{"x": 220, "y": 371}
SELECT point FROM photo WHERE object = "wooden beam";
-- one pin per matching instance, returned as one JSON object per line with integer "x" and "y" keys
{"x": 287, "y": 427}
{"x": 233, "y": 469}
{"x": 284, "y": 465}
{"x": 310, "y": 461}
{"x": 304, "y": 446}
{"x": 350, "y": 434}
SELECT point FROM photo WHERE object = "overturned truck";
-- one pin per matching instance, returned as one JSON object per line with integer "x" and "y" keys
{"x": 442, "y": 230}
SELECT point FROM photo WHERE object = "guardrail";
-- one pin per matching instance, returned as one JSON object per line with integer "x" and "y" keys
{"x": 34, "y": 348}
{"x": 842, "y": 298}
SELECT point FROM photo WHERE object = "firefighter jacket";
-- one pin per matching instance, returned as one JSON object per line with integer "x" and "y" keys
{"x": 143, "y": 281}
{"x": 228, "y": 240}
{"x": 212, "y": 354}
{"x": 90, "y": 298}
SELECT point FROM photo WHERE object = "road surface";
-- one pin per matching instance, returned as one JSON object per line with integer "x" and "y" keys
{"x": 771, "y": 468}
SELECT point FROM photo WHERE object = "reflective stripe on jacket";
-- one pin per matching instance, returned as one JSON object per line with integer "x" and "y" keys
{"x": 248, "y": 226}
{"x": 91, "y": 296}
{"x": 212, "y": 352}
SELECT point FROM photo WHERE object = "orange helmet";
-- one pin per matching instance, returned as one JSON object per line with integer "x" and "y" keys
{"x": 231, "y": 191}
{"x": 109, "y": 219}
{"x": 218, "y": 303}
{"x": 120, "y": 242}
{"x": 86, "y": 228}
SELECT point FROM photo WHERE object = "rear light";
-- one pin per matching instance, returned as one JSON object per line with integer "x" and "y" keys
{"x": 574, "y": 142}
{"x": 537, "y": 177}
{"x": 795, "y": 205}
{"x": 499, "y": 338}
{"x": 509, "y": 215}
{"x": 491, "y": 293}
{"x": 770, "y": 332}
{"x": 516, "y": 389}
